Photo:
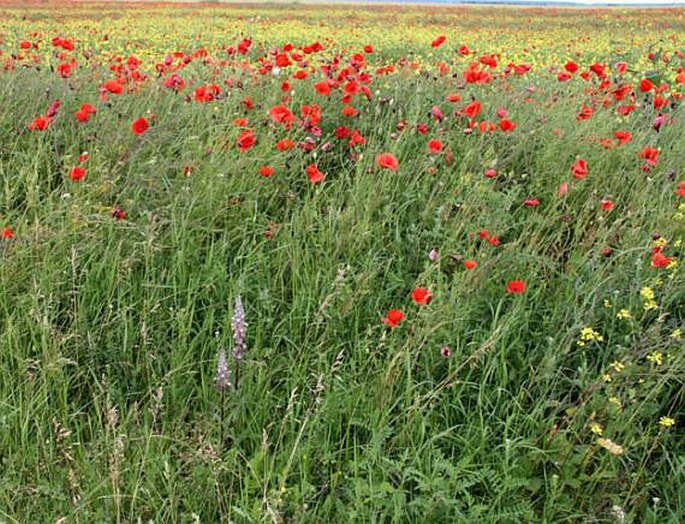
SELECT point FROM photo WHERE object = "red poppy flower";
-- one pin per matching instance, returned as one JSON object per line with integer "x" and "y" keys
{"x": 7, "y": 233}
{"x": 140, "y": 126}
{"x": 470, "y": 264}
{"x": 472, "y": 110}
{"x": 248, "y": 103}
{"x": 77, "y": 173}
{"x": 490, "y": 173}
{"x": 323, "y": 88}
{"x": 245, "y": 140}
{"x": 434, "y": 146}
{"x": 531, "y": 202}
{"x": 507, "y": 125}
{"x": 40, "y": 123}
{"x": 585, "y": 113}
{"x": 438, "y": 41}
{"x": 83, "y": 114}
{"x": 606, "y": 205}
{"x": 114, "y": 87}
{"x": 387, "y": 161}
{"x": 680, "y": 189}
{"x": 356, "y": 139}
{"x": 598, "y": 69}
{"x": 660, "y": 260}
{"x": 64, "y": 70}
{"x": 493, "y": 240}
{"x": 650, "y": 155}
{"x": 282, "y": 115}
{"x": 579, "y": 169}
{"x": 266, "y": 171}
{"x": 646, "y": 85}
{"x": 623, "y": 137}
{"x": 285, "y": 144}
{"x": 393, "y": 318}
{"x": 571, "y": 67}
{"x": 315, "y": 175}
{"x": 516, "y": 287}
{"x": 119, "y": 214}
{"x": 421, "y": 296}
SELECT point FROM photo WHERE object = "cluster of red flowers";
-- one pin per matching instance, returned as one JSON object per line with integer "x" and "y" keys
{"x": 339, "y": 89}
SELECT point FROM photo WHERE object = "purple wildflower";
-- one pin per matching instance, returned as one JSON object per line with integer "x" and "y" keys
{"x": 239, "y": 329}
{"x": 223, "y": 379}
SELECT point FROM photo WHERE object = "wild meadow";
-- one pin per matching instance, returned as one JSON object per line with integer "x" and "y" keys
{"x": 287, "y": 263}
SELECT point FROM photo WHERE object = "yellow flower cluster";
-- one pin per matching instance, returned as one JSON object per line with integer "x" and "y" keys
{"x": 596, "y": 428}
{"x": 666, "y": 422}
{"x": 647, "y": 293}
{"x": 618, "y": 366}
{"x": 661, "y": 242}
{"x": 680, "y": 215}
{"x": 588, "y": 334}
{"x": 624, "y": 314}
{"x": 656, "y": 357}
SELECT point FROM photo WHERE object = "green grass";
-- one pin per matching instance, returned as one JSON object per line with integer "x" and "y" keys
{"x": 111, "y": 328}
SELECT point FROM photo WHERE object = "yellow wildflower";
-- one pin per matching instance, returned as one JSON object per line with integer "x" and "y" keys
{"x": 647, "y": 293}
{"x": 588, "y": 334}
{"x": 624, "y": 314}
{"x": 596, "y": 428}
{"x": 650, "y": 305}
{"x": 656, "y": 357}
{"x": 666, "y": 422}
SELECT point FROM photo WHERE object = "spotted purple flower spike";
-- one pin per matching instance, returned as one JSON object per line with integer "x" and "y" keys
{"x": 223, "y": 376}
{"x": 239, "y": 330}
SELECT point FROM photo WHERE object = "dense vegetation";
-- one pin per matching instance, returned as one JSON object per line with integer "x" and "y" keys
{"x": 439, "y": 247}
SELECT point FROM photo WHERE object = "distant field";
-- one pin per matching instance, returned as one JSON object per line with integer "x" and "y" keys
{"x": 292, "y": 263}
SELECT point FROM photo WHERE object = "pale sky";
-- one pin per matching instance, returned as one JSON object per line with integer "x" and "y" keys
{"x": 622, "y": 2}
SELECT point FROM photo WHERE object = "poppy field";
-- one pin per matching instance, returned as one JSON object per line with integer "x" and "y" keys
{"x": 289, "y": 263}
